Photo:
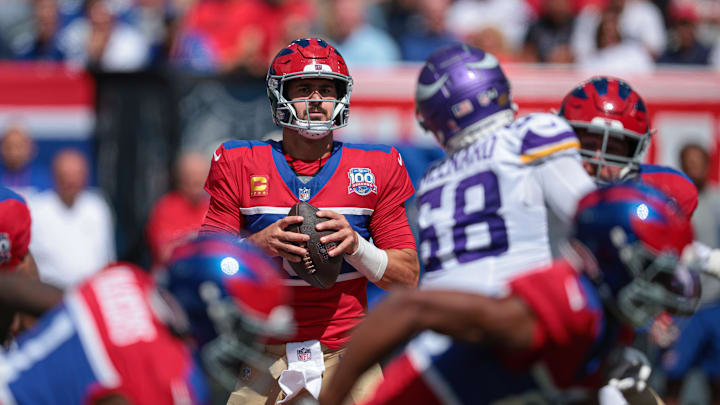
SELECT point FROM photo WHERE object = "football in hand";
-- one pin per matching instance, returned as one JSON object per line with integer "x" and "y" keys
{"x": 317, "y": 267}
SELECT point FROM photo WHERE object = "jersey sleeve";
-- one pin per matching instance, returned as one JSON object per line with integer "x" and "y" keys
{"x": 564, "y": 182}
{"x": 222, "y": 184}
{"x": 565, "y": 318}
{"x": 388, "y": 225}
{"x": 544, "y": 136}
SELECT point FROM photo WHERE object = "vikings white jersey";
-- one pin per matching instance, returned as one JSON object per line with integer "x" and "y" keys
{"x": 482, "y": 210}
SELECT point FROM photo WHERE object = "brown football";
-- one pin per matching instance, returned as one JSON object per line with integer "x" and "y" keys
{"x": 317, "y": 267}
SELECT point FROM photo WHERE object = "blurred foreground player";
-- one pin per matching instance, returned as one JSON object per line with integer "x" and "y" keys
{"x": 482, "y": 210}
{"x": 120, "y": 339}
{"x": 551, "y": 334}
{"x": 14, "y": 254}
{"x": 361, "y": 189}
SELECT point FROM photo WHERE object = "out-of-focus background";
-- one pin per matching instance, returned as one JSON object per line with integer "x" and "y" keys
{"x": 110, "y": 109}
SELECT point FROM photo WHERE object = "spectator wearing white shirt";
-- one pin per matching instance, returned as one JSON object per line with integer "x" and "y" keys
{"x": 73, "y": 233}
{"x": 638, "y": 20}
{"x": 614, "y": 54}
{"x": 100, "y": 40}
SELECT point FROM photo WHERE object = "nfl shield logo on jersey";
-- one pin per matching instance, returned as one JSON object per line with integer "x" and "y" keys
{"x": 304, "y": 193}
{"x": 5, "y": 247}
{"x": 362, "y": 181}
{"x": 303, "y": 354}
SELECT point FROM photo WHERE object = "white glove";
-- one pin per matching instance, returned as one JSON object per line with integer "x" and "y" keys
{"x": 629, "y": 369}
{"x": 611, "y": 395}
{"x": 707, "y": 258}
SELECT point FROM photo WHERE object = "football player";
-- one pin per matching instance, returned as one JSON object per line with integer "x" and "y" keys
{"x": 612, "y": 123}
{"x": 14, "y": 255}
{"x": 552, "y": 335}
{"x": 119, "y": 338}
{"x": 361, "y": 189}
{"x": 482, "y": 210}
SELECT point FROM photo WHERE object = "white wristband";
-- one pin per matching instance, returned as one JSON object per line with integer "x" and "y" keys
{"x": 370, "y": 261}
{"x": 713, "y": 263}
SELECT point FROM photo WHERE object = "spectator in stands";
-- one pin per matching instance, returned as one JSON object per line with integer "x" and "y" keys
{"x": 17, "y": 171}
{"x": 684, "y": 46}
{"x": 694, "y": 161}
{"x": 360, "y": 43}
{"x": 612, "y": 53}
{"x": 43, "y": 45}
{"x": 468, "y": 18}
{"x": 239, "y": 35}
{"x": 179, "y": 213}
{"x": 156, "y": 20}
{"x": 548, "y": 38}
{"x": 697, "y": 346}
{"x": 491, "y": 39}
{"x": 100, "y": 40}
{"x": 72, "y": 227}
{"x": 426, "y": 30}
{"x": 638, "y": 20}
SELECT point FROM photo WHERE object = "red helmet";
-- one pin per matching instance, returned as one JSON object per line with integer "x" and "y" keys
{"x": 308, "y": 59}
{"x": 609, "y": 107}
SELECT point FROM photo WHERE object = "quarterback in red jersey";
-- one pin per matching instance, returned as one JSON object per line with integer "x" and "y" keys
{"x": 361, "y": 189}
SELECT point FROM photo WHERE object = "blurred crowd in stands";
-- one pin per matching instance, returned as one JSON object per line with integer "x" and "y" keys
{"x": 217, "y": 36}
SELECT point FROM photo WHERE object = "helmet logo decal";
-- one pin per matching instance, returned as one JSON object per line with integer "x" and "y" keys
{"x": 488, "y": 62}
{"x": 317, "y": 67}
{"x": 607, "y": 122}
{"x": 486, "y": 97}
{"x": 426, "y": 91}
{"x": 462, "y": 108}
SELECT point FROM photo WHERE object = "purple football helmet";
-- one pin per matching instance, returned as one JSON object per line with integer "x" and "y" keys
{"x": 462, "y": 94}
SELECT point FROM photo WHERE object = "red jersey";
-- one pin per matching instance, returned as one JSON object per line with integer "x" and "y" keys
{"x": 172, "y": 218}
{"x": 251, "y": 186}
{"x": 14, "y": 228}
{"x": 105, "y": 338}
{"x": 572, "y": 338}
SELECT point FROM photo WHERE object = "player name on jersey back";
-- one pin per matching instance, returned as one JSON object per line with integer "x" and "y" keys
{"x": 482, "y": 213}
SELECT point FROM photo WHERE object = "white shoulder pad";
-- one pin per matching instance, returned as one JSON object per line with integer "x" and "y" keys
{"x": 541, "y": 135}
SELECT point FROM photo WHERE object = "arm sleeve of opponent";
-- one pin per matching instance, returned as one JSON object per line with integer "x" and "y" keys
{"x": 564, "y": 182}
{"x": 388, "y": 225}
{"x": 225, "y": 190}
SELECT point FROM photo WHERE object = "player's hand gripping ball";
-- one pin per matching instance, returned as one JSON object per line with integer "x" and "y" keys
{"x": 317, "y": 267}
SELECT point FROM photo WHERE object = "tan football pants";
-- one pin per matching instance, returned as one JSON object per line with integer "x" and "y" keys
{"x": 255, "y": 388}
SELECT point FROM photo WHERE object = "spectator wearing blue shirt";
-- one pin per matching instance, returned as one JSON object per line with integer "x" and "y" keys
{"x": 17, "y": 171}
{"x": 360, "y": 43}
{"x": 426, "y": 31}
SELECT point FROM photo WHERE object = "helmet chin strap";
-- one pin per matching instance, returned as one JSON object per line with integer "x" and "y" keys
{"x": 313, "y": 134}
